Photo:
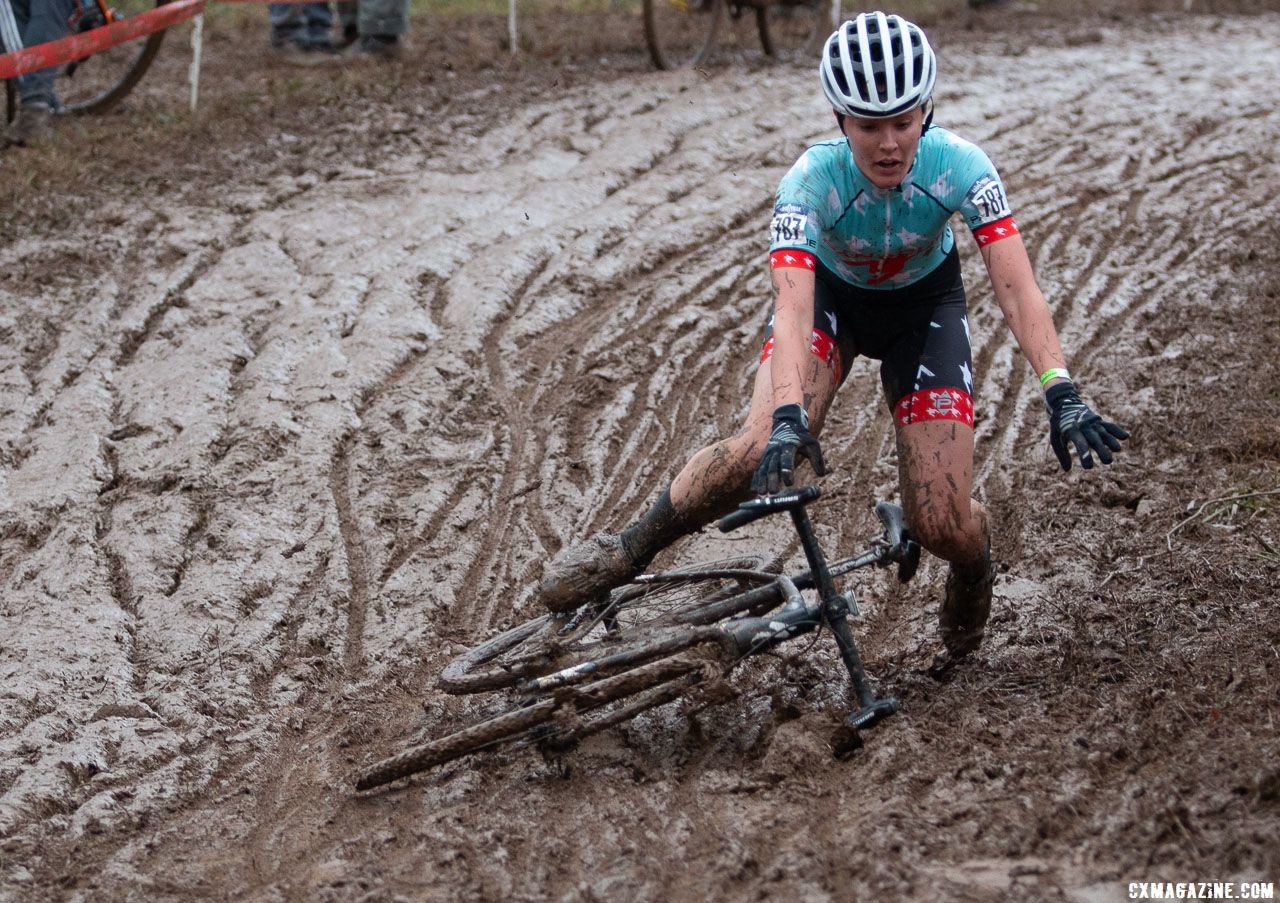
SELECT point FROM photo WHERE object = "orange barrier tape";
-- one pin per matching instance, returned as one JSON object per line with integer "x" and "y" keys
{"x": 79, "y": 46}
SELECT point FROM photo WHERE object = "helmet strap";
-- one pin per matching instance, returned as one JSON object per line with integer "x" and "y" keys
{"x": 928, "y": 115}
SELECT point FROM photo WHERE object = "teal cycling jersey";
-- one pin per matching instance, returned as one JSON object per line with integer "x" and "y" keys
{"x": 879, "y": 238}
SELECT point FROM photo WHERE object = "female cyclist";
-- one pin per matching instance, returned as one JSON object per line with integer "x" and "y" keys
{"x": 863, "y": 261}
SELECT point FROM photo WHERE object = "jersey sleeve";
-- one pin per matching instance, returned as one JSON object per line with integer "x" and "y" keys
{"x": 794, "y": 231}
{"x": 985, "y": 206}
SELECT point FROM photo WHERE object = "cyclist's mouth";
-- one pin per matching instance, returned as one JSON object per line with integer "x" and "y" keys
{"x": 888, "y": 167}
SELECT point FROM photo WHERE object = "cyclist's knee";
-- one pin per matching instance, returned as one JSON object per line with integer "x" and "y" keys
{"x": 944, "y": 525}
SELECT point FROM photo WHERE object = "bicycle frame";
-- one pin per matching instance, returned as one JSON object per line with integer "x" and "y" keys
{"x": 752, "y": 635}
{"x": 835, "y": 612}
{"x": 665, "y": 658}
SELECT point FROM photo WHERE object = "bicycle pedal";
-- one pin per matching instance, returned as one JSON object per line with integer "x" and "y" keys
{"x": 872, "y": 714}
{"x": 848, "y": 604}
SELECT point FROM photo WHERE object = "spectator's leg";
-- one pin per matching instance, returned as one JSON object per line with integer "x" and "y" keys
{"x": 319, "y": 24}
{"x": 385, "y": 18}
{"x": 41, "y": 21}
{"x": 382, "y": 22}
{"x": 348, "y": 18}
{"x": 287, "y": 24}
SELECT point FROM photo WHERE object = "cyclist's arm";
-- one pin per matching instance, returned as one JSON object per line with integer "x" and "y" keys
{"x": 792, "y": 328}
{"x": 1023, "y": 304}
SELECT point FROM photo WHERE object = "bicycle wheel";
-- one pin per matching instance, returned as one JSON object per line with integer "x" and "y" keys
{"x": 645, "y": 688}
{"x": 98, "y": 83}
{"x": 680, "y": 32}
{"x": 790, "y": 30}
{"x": 632, "y": 615}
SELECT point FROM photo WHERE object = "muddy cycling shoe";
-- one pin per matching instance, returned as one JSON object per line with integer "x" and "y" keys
{"x": 962, "y": 620}
{"x": 586, "y": 571}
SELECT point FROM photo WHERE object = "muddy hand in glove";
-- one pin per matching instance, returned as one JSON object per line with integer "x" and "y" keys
{"x": 1071, "y": 420}
{"x": 790, "y": 438}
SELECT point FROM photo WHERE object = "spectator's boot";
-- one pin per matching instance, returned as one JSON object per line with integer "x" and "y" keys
{"x": 384, "y": 47}
{"x": 962, "y": 620}
{"x": 32, "y": 127}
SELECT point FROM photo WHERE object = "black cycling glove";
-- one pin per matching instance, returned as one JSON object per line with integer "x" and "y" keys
{"x": 1072, "y": 419}
{"x": 790, "y": 437}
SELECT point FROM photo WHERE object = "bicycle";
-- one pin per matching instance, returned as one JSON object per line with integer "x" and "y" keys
{"x": 659, "y": 638}
{"x": 98, "y": 83}
{"x": 680, "y": 33}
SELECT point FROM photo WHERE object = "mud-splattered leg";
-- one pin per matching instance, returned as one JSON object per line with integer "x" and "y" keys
{"x": 713, "y": 481}
{"x": 935, "y": 475}
{"x": 719, "y": 476}
{"x": 935, "y": 467}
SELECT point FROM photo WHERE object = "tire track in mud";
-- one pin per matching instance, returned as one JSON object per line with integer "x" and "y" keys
{"x": 1088, "y": 307}
{"x": 524, "y": 443}
{"x": 617, "y": 490}
{"x": 137, "y": 316}
{"x": 357, "y": 562}
{"x": 481, "y": 573}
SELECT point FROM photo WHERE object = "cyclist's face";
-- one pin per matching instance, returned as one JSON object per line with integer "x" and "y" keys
{"x": 884, "y": 149}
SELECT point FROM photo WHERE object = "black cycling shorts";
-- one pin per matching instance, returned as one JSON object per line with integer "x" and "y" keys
{"x": 920, "y": 335}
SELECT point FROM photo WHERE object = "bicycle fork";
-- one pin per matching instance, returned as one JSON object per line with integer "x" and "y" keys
{"x": 835, "y": 609}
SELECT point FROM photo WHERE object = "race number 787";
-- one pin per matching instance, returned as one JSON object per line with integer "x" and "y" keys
{"x": 788, "y": 226}
{"x": 989, "y": 198}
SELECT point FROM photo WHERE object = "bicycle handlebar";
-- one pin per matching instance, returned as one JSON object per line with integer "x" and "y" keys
{"x": 766, "y": 505}
{"x": 901, "y": 547}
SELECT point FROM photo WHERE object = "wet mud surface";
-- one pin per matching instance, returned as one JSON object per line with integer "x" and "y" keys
{"x": 302, "y": 437}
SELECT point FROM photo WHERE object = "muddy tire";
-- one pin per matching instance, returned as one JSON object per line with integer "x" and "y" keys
{"x": 490, "y": 666}
{"x": 506, "y": 726}
{"x": 634, "y": 612}
{"x": 680, "y": 33}
{"x": 641, "y": 689}
{"x": 98, "y": 83}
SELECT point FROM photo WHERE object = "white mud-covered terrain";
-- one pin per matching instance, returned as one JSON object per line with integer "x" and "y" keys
{"x": 281, "y": 447}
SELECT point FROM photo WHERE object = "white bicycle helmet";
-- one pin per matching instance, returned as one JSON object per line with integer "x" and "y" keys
{"x": 877, "y": 66}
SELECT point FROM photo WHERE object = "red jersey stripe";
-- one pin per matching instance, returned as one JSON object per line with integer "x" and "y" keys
{"x": 993, "y": 232}
{"x": 790, "y": 258}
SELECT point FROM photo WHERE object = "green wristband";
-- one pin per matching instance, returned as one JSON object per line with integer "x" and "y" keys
{"x": 1054, "y": 373}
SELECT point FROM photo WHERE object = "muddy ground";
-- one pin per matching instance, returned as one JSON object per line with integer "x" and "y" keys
{"x": 298, "y": 395}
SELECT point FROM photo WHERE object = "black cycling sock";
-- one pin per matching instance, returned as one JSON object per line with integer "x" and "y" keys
{"x": 660, "y": 526}
{"x": 974, "y": 572}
